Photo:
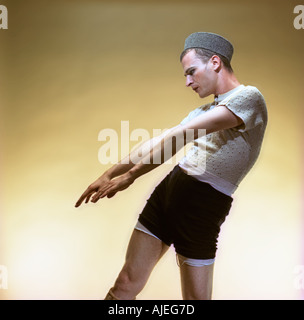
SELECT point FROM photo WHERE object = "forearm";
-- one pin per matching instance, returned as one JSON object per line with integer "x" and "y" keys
{"x": 118, "y": 169}
{"x": 135, "y": 157}
{"x": 217, "y": 119}
{"x": 162, "y": 151}
{"x": 127, "y": 163}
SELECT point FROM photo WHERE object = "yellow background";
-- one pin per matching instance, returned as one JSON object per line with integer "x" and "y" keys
{"x": 72, "y": 68}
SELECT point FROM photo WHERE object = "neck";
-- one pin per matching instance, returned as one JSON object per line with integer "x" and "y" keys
{"x": 226, "y": 82}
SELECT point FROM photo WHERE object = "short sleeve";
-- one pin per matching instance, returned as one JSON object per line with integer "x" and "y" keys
{"x": 250, "y": 106}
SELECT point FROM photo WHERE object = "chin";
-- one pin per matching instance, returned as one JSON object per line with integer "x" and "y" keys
{"x": 204, "y": 94}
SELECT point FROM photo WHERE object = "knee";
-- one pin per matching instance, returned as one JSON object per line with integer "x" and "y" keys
{"x": 125, "y": 280}
{"x": 126, "y": 286}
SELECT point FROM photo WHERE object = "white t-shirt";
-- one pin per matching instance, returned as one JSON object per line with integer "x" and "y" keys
{"x": 223, "y": 158}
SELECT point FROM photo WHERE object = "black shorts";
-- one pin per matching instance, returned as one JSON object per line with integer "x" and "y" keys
{"x": 187, "y": 213}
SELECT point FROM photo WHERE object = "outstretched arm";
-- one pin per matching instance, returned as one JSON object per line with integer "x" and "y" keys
{"x": 121, "y": 176}
{"x": 121, "y": 169}
{"x": 219, "y": 118}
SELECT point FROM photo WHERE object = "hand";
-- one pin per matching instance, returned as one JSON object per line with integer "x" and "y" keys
{"x": 113, "y": 186}
{"x": 96, "y": 186}
{"x": 105, "y": 187}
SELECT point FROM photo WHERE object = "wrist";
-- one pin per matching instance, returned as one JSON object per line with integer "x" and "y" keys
{"x": 107, "y": 174}
{"x": 134, "y": 172}
{"x": 131, "y": 175}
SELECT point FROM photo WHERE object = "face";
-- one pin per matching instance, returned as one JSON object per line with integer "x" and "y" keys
{"x": 200, "y": 76}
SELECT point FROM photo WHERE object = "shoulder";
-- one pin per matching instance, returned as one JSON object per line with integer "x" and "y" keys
{"x": 249, "y": 105}
{"x": 253, "y": 94}
{"x": 254, "y": 103}
{"x": 249, "y": 97}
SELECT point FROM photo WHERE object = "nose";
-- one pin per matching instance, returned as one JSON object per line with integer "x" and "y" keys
{"x": 189, "y": 81}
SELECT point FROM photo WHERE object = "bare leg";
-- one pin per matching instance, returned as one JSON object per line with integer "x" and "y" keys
{"x": 196, "y": 282}
{"x": 143, "y": 253}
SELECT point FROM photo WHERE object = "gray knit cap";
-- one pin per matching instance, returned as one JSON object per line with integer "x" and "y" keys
{"x": 210, "y": 41}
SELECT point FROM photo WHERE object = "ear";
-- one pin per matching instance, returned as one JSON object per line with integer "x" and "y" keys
{"x": 216, "y": 63}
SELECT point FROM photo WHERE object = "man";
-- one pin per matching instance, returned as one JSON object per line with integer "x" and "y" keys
{"x": 188, "y": 207}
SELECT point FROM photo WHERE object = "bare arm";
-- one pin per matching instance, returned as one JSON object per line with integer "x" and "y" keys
{"x": 129, "y": 161}
{"x": 120, "y": 169}
{"x": 219, "y": 118}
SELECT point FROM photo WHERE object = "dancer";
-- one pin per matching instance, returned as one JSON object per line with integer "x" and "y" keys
{"x": 188, "y": 207}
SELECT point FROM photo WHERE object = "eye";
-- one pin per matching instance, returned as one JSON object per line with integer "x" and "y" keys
{"x": 191, "y": 72}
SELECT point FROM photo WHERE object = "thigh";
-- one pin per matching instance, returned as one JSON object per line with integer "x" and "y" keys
{"x": 198, "y": 211}
{"x": 196, "y": 282}
{"x": 143, "y": 253}
{"x": 154, "y": 215}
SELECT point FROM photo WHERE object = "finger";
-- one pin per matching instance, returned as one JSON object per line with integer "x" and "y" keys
{"x": 88, "y": 197}
{"x": 83, "y": 196}
{"x": 79, "y": 202}
{"x": 97, "y": 197}
{"x": 109, "y": 193}
{"x": 112, "y": 194}
{"x": 100, "y": 194}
